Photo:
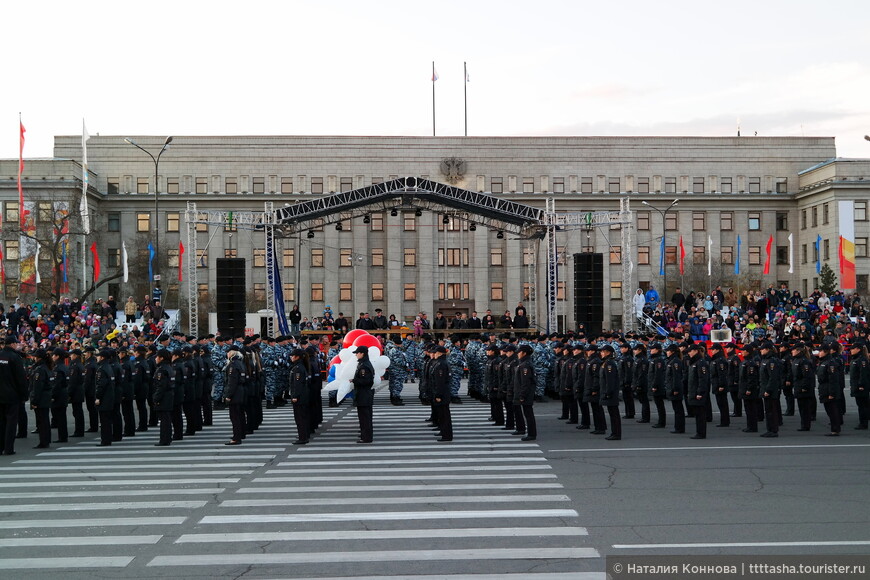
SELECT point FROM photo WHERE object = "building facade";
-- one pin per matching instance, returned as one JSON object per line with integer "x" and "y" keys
{"x": 727, "y": 187}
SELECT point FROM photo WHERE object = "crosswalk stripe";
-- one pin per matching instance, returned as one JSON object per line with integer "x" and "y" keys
{"x": 388, "y": 516}
{"x": 447, "y": 451}
{"x": 423, "y": 446}
{"x": 46, "y": 541}
{"x": 512, "y": 476}
{"x": 154, "y": 458}
{"x": 393, "y": 500}
{"x": 129, "y": 505}
{"x": 431, "y": 487}
{"x": 111, "y": 493}
{"x": 70, "y": 562}
{"x": 147, "y": 451}
{"x": 296, "y": 461}
{"x": 381, "y": 534}
{"x": 127, "y": 474}
{"x": 136, "y": 482}
{"x": 92, "y": 522}
{"x": 510, "y": 468}
{"x": 523, "y": 576}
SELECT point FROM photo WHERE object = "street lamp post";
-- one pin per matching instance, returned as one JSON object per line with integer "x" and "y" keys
{"x": 156, "y": 161}
{"x": 664, "y": 215}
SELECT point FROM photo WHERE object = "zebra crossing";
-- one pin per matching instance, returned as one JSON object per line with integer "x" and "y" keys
{"x": 406, "y": 506}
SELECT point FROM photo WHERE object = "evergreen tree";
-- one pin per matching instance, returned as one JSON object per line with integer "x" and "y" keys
{"x": 827, "y": 280}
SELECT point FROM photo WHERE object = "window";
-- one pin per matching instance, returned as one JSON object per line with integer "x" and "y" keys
{"x": 317, "y": 292}
{"x": 496, "y": 291}
{"x": 560, "y": 291}
{"x": 726, "y": 221}
{"x": 378, "y": 292}
{"x": 409, "y": 222}
{"x": 670, "y": 185}
{"x": 410, "y": 291}
{"x": 316, "y": 185}
{"x": 643, "y": 255}
{"x": 815, "y": 252}
{"x": 11, "y": 212}
{"x": 289, "y": 292}
{"x": 143, "y": 222}
{"x": 259, "y": 257}
{"x": 754, "y": 255}
{"x": 725, "y": 185}
{"x": 615, "y": 255}
{"x": 231, "y": 185}
{"x": 643, "y": 184}
{"x": 815, "y": 214}
{"x": 113, "y": 221}
{"x": 496, "y": 185}
{"x": 860, "y": 247}
{"x": 781, "y": 185}
{"x": 11, "y": 250}
{"x": 827, "y": 250}
{"x": 202, "y": 258}
{"x": 410, "y": 256}
{"x": 451, "y": 291}
{"x": 377, "y": 180}
{"x": 377, "y": 256}
{"x": 616, "y": 290}
{"x": 45, "y": 212}
{"x": 642, "y": 220}
{"x": 289, "y": 257}
{"x": 230, "y": 225}
{"x": 588, "y": 249}
{"x": 697, "y": 185}
{"x": 345, "y": 184}
{"x": 141, "y": 185}
{"x": 202, "y": 185}
{"x": 377, "y": 223}
{"x": 803, "y": 219}
{"x": 345, "y": 258}
{"x": 115, "y": 257}
{"x": 172, "y": 254}
{"x": 286, "y": 187}
{"x": 454, "y": 222}
{"x": 345, "y": 292}
{"x": 754, "y": 221}
{"x": 860, "y": 211}
{"x": 804, "y": 254}
{"x": 825, "y": 214}
{"x": 558, "y": 185}
{"x": 259, "y": 291}
{"x": 113, "y": 185}
{"x": 561, "y": 255}
{"x": 727, "y": 255}
{"x": 346, "y": 225}
{"x": 453, "y": 256}
{"x": 586, "y": 185}
{"x": 782, "y": 255}
{"x": 258, "y": 185}
{"x": 172, "y": 185}
{"x": 200, "y": 227}
{"x": 862, "y": 281}
{"x": 528, "y": 256}
{"x": 202, "y": 291}
{"x": 672, "y": 221}
{"x": 754, "y": 185}
{"x": 528, "y": 185}
{"x": 231, "y": 253}
{"x": 528, "y": 291}
{"x": 699, "y": 255}
{"x": 316, "y": 257}
{"x": 496, "y": 257}
{"x": 699, "y": 221}
{"x": 670, "y": 254}
{"x": 613, "y": 185}
{"x": 781, "y": 220}
{"x": 173, "y": 221}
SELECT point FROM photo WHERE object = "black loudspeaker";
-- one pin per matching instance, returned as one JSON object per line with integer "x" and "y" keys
{"x": 589, "y": 292}
{"x": 230, "y": 298}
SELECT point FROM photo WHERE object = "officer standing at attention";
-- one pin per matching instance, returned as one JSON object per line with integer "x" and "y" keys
{"x": 299, "y": 393}
{"x": 699, "y": 388}
{"x": 440, "y": 385}
{"x": 41, "y": 386}
{"x": 770, "y": 384}
{"x": 610, "y": 383}
{"x": 626, "y": 369}
{"x": 13, "y": 391}
{"x": 639, "y": 381}
{"x": 803, "y": 376}
{"x": 592, "y": 390}
{"x": 829, "y": 386}
{"x": 656, "y": 383}
{"x": 524, "y": 390}
{"x": 76, "y": 388}
{"x": 493, "y": 364}
{"x": 674, "y": 386}
{"x": 104, "y": 395}
{"x": 734, "y": 378}
{"x": 164, "y": 381}
{"x": 859, "y": 378}
{"x": 719, "y": 382}
{"x": 397, "y": 371}
{"x": 363, "y": 394}
{"x": 60, "y": 394}
{"x": 234, "y": 393}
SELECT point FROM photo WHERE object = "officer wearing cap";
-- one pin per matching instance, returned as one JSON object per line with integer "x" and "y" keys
{"x": 719, "y": 382}
{"x": 127, "y": 394}
{"x": 639, "y": 378}
{"x": 698, "y": 387}
{"x": 592, "y": 390}
{"x": 770, "y": 384}
{"x": 803, "y": 377}
{"x": 234, "y": 393}
{"x": 90, "y": 364}
{"x": 41, "y": 388}
{"x": 859, "y": 379}
{"x": 626, "y": 371}
{"x": 439, "y": 382}
{"x": 104, "y": 395}
{"x": 611, "y": 384}
{"x": 506, "y": 390}
{"x": 656, "y": 383}
{"x": 299, "y": 393}
{"x": 60, "y": 394}
{"x": 363, "y": 393}
{"x": 76, "y": 389}
{"x": 749, "y": 388}
{"x": 490, "y": 380}
{"x": 734, "y": 378}
{"x": 675, "y": 387}
{"x": 579, "y": 386}
{"x": 524, "y": 391}
{"x": 13, "y": 392}
{"x": 162, "y": 398}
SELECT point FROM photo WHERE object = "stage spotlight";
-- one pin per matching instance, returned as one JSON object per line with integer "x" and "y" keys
{"x": 500, "y": 235}
{"x": 472, "y": 227}
{"x": 367, "y": 219}
{"x": 310, "y": 234}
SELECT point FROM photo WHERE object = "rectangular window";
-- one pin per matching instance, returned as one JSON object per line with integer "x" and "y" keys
{"x": 528, "y": 291}
{"x": 496, "y": 257}
{"x": 317, "y": 292}
{"x": 259, "y": 291}
{"x": 528, "y": 256}
{"x": 825, "y": 213}
{"x": 781, "y": 185}
{"x": 11, "y": 250}
{"x": 452, "y": 222}
{"x": 754, "y": 185}
{"x": 528, "y": 185}
{"x": 231, "y": 253}
{"x": 317, "y": 257}
{"x": 670, "y": 254}
{"x": 141, "y": 185}
{"x": 496, "y": 291}
{"x": 172, "y": 254}
{"x": 754, "y": 255}
{"x": 410, "y": 291}
{"x": 202, "y": 258}
{"x": 113, "y": 221}
{"x": 230, "y": 225}
{"x": 643, "y": 255}
{"x": 316, "y": 185}
{"x": 289, "y": 257}
{"x": 860, "y": 247}
{"x": 616, "y": 290}
{"x": 804, "y": 254}
{"x": 697, "y": 185}
{"x": 345, "y": 225}
{"x": 345, "y": 291}
{"x": 377, "y": 292}
{"x": 377, "y": 256}
{"x": 345, "y": 184}
{"x": 258, "y": 184}
{"x": 643, "y": 184}
{"x": 827, "y": 250}
{"x": 699, "y": 221}
{"x": 286, "y": 186}
{"x": 172, "y": 185}
{"x": 173, "y": 222}
{"x": 726, "y": 221}
{"x": 586, "y": 185}
{"x": 317, "y": 224}
{"x": 860, "y": 211}
{"x": 561, "y": 255}
{"x": 451, "y": 291}
{"x": 727, "y": 255}
{"x": 560, "y": 291}
{"x": 377, "y": 223}
{"x": 409, "y": 222}
{"x": 496, "y": 185}
{"x": 410, "y": 256}
{"x": 201, "y": 227}
{"x": 699, "y": 255}
{"x": 803, "y": 219}
{"x": 815, "y": 252}
{"x": 670, "y": 185}
{"x": 558, "y": 185}
{"x": 143, "y": 222}
{"x": 754, "y": 221}
{"x": 672, "y": 221}
{"x": 231, "y": 185}
{"x": 289, "y": 292}
{"x": 782, "y": 255}
{"x": 113, "y": 185}
{"x": 202, "y": 185}
{"x": 613, "y": 185}
{"x": 725, "y": 185}
{"x": 345, "y": 257}
{"x": 45, "y": 212}
{"x": 781, "y": 220}
{"x": 815, "y": 214}
{"x": 615, "y": 255}
{"x": 202, "y": 291}
{"x": 642, "y": 220}
{"x": 259, "y": 257}
{"x": 453, "y": 256}
{"x": 377, "y": 180}
{"x": 114, "y": 257}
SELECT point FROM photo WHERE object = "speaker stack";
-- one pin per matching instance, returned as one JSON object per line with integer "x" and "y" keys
{"x": 589, "y": 291}
{"x": 231, "y": 296}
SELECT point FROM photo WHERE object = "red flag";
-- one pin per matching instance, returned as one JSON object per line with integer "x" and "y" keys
{"x": 2, "y": 267}
{"x": 682, "y": 255}
{"x": 20, "y": 171}
{"x": 767, "y": 261}
{"x": 180, "y": 258}
{"x": 96, "y": 262}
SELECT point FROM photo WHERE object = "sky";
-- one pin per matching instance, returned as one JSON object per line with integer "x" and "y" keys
{"x": 778, "y": 68}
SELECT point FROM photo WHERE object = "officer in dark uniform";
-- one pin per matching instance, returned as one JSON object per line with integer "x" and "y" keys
{"x": 859, "y": 379}
{"x": 788, "y": 382}
{"x": 76, "y": 388}
{"x": 60, "y": 394}
{"x": 191, "y": 404}
{"x": 363, "y": 394}
{"x": 592, "y": 390}
{"x": 90, "y": 364}
{"x": 524, "y": 391}
{"x": 41, "y": 387}
{"x": 656, "y": 383}
{"x": 299, "y": 393}
{"x": 506, "y": 388}
{"x": 719, "y": 382}
{"x": 490, "y": 375}
{"x": 104, "y": 395}
{"x": 567, "y": 381}
{"x": 178, "y": 397}
{"x": 803, "y": 375}
{"x": 234, "y": 393}
{"x": 117, "y": 423}
{"x": 610, "y": 382}
{"x": 698, "y": 390}
{"x": 127, "y": 393}
{"x": 639, "y": 381}
{"x": 13, "y": 391}
{"x": 734, "y": 378}
{"x": 440, "y": 382}
{"x": 749, "y": 388}
{"x": 164, "y": 387}
{"x": 674, "y": 386}
{"x": 770, "y": 384}
{"x": 626, "y": 369}
{"x": 141, "y": 378}
{"x": 579, "y": 387}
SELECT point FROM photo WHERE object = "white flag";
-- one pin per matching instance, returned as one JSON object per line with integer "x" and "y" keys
{"x": 790, "y": 254}
{"x": 124, "y": 261}
{"x": 83, "y": 209}
{"x": 36, "y": 262}
{"x": 709, "y": 256}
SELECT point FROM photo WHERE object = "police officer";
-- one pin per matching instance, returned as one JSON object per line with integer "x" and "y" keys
{"x": 859, "y": 379}
{"x": 749, "y": 388}
{"x": 299, "y": 393}
{"x": 441, "y": 385}
{"x": 656, "y": 383}
{"x": 803, "y": 375}
{"x": 141, "y": 377}
{"x": 639, "y": 381}
{"x": 626, "y": 367}
{"x": 569, "y": 368}
{"x": 611, "y": 382}
{"x": 674, "y": 386}
{"x": 164, "y": 387}
{"x": 770, "y": 384}
{"x": 719, "y": 382}
{"x": 698, "y": 390}
{"x": 76, "y": 388}
{"x": 592, "y": 390}
{"x": 104, "y": 395}
{"x": 398, "y": 370}
{"x": 579, "y": 386}
{"x": 60, "y": 394}
{"x": 524, "y": 390}
{"x": 491, "y": 370}
{"x": 828, "y": 374}
{"x": 505, "y": 392}
{"x": 90, "y": 364}
{"x": 734, "y": 379}
{"x": 363, "y": 394}
{"x": 41, "y": 386}
{"x": 178, "y": 397}
{"x": 128, "y": 391}
{"x": 233, "y": 391}
{"x": 13, "y": 391}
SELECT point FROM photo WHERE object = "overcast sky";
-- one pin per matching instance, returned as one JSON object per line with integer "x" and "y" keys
{"x": 363, "y": 68}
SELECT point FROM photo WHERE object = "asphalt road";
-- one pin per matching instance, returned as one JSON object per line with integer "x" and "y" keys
{"x": 483, "y": 507}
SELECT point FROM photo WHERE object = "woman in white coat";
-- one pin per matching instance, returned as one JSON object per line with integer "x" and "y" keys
{"x": 639, "y": 301}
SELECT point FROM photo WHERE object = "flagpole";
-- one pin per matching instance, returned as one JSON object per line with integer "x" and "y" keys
{"x": 433, "y": 98}
{"x": 465, "y": 93}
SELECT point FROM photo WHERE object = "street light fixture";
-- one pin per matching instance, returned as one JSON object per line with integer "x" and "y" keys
{"x": 867, "y": 137}
{"x": 156, "y": 161}
{"x": 664, "y": 215}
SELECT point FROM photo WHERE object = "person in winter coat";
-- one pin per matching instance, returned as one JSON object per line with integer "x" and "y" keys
{"x": 363, "y": 393}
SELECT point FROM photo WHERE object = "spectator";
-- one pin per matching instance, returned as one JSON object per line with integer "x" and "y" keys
{"x": 652, "y": 297}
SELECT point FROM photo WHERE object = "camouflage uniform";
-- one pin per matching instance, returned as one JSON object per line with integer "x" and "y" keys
{"x": 456, "y": 362}
{"x": 219, "y": 361}
{"x": 542, "y": 362}
{"x": 269, "y": 358}
{"x": 397, "y": 371}
{"x": 475, "y": 356}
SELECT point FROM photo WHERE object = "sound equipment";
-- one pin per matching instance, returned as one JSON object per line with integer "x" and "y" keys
{"x": 230, "y": 299}
{"x": 589, "y": 292}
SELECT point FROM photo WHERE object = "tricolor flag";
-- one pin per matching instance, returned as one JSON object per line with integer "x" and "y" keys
{"x": 124, "y": 262}
{"x": 96, "y": 262}
{"x": 846, "y": 210}
{"x": 21, "y": 211}
{"x": 662, "y": 258}
{"x": 83, "y": 208}
{"x": 682, "y": 256}
{"x": 434, "y": 73}
{"x": 767, "y": 261}
{"x": 791, "y": 254}
{"x": 180, "y": 258}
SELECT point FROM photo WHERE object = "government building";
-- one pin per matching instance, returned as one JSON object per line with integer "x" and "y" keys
{"x": 410, "y": 259}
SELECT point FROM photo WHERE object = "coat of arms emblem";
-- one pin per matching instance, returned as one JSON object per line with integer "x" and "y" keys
{"x": 453, "y": 169}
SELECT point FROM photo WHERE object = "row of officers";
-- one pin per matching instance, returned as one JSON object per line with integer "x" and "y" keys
{"x": 590, "y": 378}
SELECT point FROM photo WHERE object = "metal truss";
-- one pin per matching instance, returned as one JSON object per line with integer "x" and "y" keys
{"x": 269, "y": 233}
{"x": 190, "y": 216}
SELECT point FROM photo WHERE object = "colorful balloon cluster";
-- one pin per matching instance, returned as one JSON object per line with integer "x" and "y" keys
{"x": 342, "y": 367}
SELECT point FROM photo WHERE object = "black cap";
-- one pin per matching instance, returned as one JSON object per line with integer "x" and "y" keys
{"x": 11, "y": 340}
{"x": 298, "y": 352}
{"x": 232, "y": 348}
{"x": 694, "y": 346}
{"x": 655, "y": 345}
{"x": 592, "y": 347}
{"x": 164, "y": 354}
{"x": 715, "y": 346}
{"x": 187, "y": 350}
{"x": 105, "y": 352}
{"x": 607, "y": 348}
{"x": 525, "y": 348}
{"x": 673, "y": 347}
{"x": 730, "y": 345}
{"x": 76, "y": 352}
{"x": 361, "y": 349}
{"x": 443, "y": 350}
